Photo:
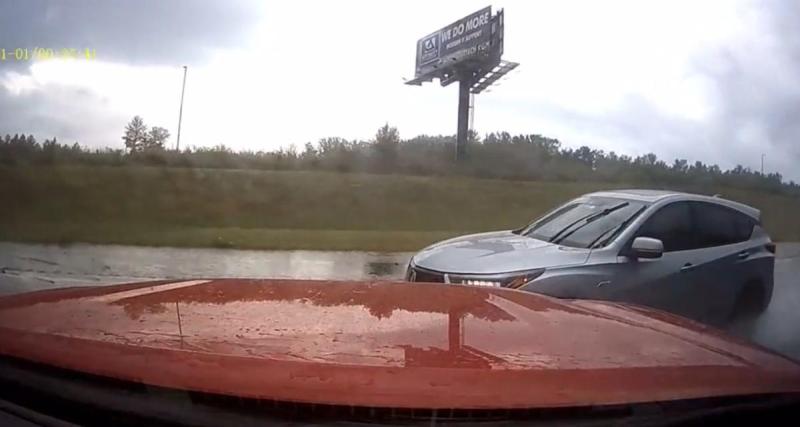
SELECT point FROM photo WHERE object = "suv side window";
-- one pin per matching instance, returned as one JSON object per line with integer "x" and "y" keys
{"x": 718, "y": 225}
{"x": 672, "y": 224}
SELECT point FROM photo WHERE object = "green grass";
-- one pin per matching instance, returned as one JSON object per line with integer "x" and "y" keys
{"x": 226, "y": 237}
{"x": 287, "y": 210}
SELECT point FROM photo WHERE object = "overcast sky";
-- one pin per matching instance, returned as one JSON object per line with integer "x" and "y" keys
{"x": 717, "y": 81}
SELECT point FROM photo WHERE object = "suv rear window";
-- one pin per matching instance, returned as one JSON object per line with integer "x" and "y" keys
{"x": 692, "y": 225}
{"x": 718, "y": 225}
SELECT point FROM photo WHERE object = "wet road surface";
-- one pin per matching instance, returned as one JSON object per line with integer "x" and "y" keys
{"x": 26, "y": 267}
{"x": 777, "y": 328}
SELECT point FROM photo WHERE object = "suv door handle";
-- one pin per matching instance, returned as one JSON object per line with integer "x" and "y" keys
{"x": 743, "y": 254}
{"x": 686, "y": 267}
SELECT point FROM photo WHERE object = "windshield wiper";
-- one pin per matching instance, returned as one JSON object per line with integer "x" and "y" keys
{"x": 555, "y": 236}
{"x": 587, "y": 220}
{"x": 616, "y": 228}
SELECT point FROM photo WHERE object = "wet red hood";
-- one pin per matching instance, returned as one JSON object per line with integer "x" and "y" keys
{"x": 384, "y": 344}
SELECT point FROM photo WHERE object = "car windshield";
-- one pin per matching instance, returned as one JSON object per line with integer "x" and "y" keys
{"x": 584, "y": 223}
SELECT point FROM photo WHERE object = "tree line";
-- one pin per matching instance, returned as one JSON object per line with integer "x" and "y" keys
{"x": 138, "y": 138}
{"x": 497, "y": 155}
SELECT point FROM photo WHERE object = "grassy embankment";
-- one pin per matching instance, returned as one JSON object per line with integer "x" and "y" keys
{"x": 287, "y": 210}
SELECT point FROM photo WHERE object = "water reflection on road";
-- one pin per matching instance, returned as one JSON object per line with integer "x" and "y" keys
{"x": 28, "y": 267}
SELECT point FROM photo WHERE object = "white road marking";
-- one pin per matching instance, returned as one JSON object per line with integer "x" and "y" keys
{"x": 145, "y": 291}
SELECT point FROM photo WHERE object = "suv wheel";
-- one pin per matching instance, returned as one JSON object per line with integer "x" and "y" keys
{"x": 751, "y": 301}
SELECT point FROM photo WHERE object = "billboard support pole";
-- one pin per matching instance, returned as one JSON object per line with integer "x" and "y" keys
{"x": 462, "y": 132}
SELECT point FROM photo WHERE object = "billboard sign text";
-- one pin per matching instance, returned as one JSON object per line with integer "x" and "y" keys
{"x": 467, "y": 38}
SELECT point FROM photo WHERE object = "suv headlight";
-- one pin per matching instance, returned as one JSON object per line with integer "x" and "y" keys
{"x": 510, "y": 280}
{"x": 490, "y": 283}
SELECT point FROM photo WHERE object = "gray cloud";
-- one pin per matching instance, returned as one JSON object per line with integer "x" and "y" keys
{"x": 142, "y": 32}
{"x": 757, "y": 86}
{"x": 755, "y": 103}
{"x": 71, "y": 114}
{"x": 134, "y": 32}
{"x": 637, "y": 127}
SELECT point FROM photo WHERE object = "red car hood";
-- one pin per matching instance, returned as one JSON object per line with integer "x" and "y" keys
{"x": 384, "y": 344}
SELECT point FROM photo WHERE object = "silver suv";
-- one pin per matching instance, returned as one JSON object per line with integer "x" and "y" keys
{"x": 698, "y": 256}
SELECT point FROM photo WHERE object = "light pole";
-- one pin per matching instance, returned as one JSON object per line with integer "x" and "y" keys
{"x": 762, "y": 163}
{"x": 180, "y": 112}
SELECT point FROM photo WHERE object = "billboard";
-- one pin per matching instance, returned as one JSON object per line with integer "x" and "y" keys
{"x": 468, "y": 51}
{"x": 468, "y": 38}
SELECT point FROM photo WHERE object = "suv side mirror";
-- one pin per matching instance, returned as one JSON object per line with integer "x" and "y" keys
{"x": 647, "y": 247}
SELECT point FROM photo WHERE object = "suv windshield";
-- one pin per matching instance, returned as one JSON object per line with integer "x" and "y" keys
{"x": 585, "y": 223}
